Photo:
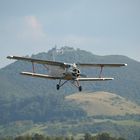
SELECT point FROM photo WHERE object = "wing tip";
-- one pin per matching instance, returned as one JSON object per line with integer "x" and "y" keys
{"x": 10, "y": 57}
{"x": 107, "y": 78}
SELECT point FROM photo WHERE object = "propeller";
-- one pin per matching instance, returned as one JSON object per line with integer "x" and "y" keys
{"x": 83, "y": 75}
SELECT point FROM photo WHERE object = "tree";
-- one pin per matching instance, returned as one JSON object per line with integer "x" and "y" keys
{"x": 38, "y": 137}
{"x": 87, "y": 136}
{"x": 103, "y": 136}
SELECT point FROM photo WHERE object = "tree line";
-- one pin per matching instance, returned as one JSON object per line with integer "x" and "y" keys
{"x": 87, "y": 136}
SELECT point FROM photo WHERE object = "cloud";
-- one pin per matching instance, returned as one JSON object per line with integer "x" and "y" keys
{"x": 32, "y": 22}
{"x": 32, "y": 29}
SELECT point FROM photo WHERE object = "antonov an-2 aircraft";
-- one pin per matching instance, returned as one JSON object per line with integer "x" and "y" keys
{"x": 64, "y": 71}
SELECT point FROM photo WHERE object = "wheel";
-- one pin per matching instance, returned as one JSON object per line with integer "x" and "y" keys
{"x": 80, "y": 88}
{"x": 57, "y": 87}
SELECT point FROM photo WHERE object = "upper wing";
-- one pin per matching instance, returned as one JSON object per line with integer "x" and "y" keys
{"x": 63, "y": 64}
{"x": 100, "y": 65}
{"x": 37, "y": 61}
{"x": 94, "y": 79}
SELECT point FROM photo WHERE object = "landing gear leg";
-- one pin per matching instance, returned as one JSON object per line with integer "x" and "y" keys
{"x": 58, "y": 85}
{"x": 78, "y": 86}
{"x": 61, "y": 84}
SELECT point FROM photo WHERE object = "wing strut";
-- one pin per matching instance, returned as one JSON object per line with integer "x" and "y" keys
{"x": 33, "y": 67}
{"x": 100, "y": 74}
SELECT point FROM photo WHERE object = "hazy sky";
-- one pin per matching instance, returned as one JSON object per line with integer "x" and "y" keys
{"x": 99, "y": 26}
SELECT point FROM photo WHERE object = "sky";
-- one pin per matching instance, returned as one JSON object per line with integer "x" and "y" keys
{"x": 103, "y": 27}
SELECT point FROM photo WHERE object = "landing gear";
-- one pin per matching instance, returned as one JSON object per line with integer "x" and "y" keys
{"x": 73, "y": 82}
{"x": 60, "y": 84}
{"x": 77, "y": 84}
{"x": 80, "y": 88}
{"x": 57, "y": 87}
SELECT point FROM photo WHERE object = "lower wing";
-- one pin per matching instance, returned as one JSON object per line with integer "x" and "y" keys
{"x": 94, "y": 79}
{"x": 53, "y": 77}
{"x": 40, "y": 75}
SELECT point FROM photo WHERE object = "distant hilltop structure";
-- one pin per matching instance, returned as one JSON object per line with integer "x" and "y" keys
{"x": 55, "y": 51}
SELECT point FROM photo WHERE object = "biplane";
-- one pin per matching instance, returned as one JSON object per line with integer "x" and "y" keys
{"x": 64, "y": 72}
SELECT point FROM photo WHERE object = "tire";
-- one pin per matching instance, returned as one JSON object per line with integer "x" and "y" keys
{"x": 57, "y": 87}
{"x": 80, "y": 88}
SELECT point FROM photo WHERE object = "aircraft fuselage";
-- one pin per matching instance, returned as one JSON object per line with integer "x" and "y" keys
{"x": 69, "y": 73}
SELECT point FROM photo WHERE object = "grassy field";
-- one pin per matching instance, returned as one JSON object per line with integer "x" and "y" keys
{"x": 127, "y": 123}
{"x": 76, "y": 128}
{"x": 67, "y": 128}
{"x": 99, "y": 103}
{"x": 104, "y": 103}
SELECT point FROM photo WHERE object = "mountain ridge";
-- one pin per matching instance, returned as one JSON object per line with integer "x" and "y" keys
{"x": 23, "y": 98}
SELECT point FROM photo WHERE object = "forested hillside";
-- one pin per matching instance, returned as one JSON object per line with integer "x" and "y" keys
{"x": 126, "y": 81}
{"x": 37, "y": 100}
{"x": 24, "y": 97}
{"x": 86, "y": 136}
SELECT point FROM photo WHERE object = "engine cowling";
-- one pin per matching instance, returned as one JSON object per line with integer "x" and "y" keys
{"x": 76, "y": 72}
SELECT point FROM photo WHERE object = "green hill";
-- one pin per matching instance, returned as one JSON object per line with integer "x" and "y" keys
{"x": 34, "y": 105}
{"x": 104, "y": 103}
{"x": 126, "y": 81}
{"x": 26, "y": 98}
